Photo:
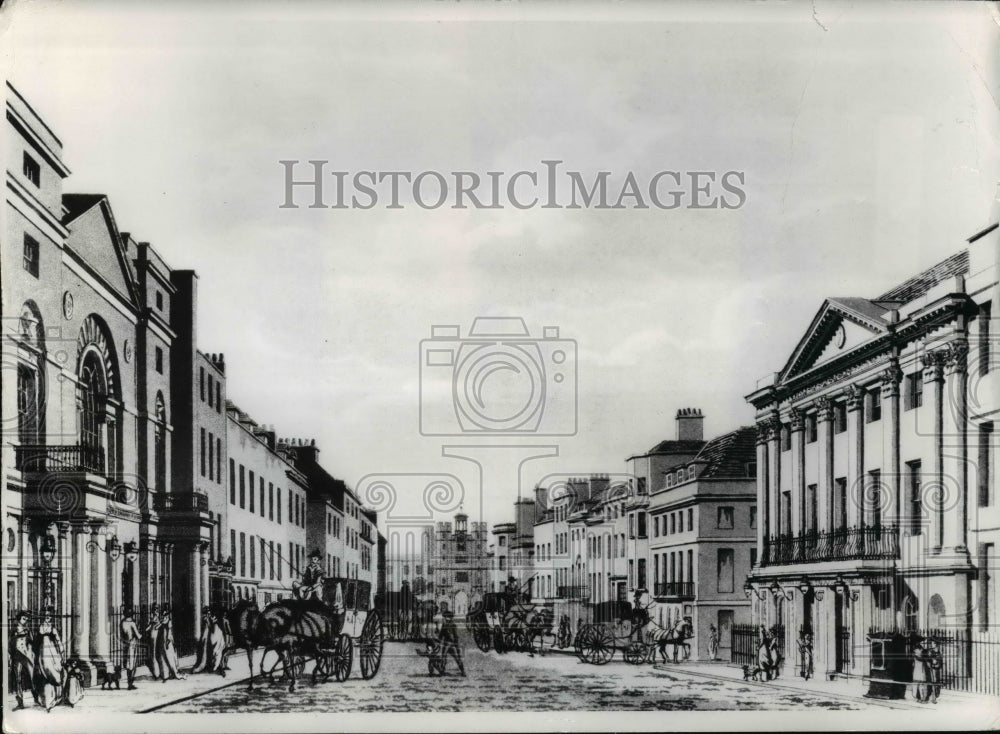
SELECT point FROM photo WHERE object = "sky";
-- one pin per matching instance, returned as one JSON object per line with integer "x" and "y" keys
{"x": 866, "y": 136}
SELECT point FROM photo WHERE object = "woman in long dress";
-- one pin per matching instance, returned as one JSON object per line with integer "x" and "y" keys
{"x": 49, "y": 662}
{"x": 201, "y": 663}
{"x": 216, "y": 643}
{"x": 152, "y": 633}
{"x": 165, "y": 647}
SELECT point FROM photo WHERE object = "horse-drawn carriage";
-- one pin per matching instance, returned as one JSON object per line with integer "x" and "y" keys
{"x": 502, "y": 623}
{"x": 621, "y": 626}
{"x": 404, "y": 615}
{"x": 328, "y": 632}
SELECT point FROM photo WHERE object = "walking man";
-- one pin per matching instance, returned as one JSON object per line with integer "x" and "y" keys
{"x": 713, "y": 642}
{"x": 448, "y": 638}
{"x": 130, "y": 640}
{"x": 22, "y": 665}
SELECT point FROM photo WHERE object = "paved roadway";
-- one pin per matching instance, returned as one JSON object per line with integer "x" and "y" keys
{"x": 512, "y": 682}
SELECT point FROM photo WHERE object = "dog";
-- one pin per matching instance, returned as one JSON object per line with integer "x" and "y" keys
{"x": 112, "y": 679}
{"x": 752, "y": 672}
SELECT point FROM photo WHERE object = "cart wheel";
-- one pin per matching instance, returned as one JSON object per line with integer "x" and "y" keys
{"x": 371, "y": 642}
{"x": 599, "y": 647}
{"x": 343, "y": 657}
{"x": 481, "y": 636}
{"x": 635, "y": 653}
{"x": 582, "y": 640}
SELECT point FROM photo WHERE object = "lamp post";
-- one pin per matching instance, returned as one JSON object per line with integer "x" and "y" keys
{"x": 48, "y": 552}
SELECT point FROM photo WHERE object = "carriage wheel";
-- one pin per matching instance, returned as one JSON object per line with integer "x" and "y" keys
{"x": 371, "y": 643}
{"x": 599, "y": 646}
{"x": 582, "y": 639}
{"x": 636, "y": 653}
{"x": 481, "y": 636}
{"x": 343, "y": 657}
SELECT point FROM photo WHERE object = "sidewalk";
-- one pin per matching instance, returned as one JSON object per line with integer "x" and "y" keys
{"x": 149, "y": 693}
{"x": 851, "y": 688}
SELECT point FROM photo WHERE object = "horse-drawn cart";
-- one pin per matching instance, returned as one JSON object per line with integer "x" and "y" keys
{"x": 620, "y": 626}
{"x": 330, "y": 632}
{"x": 502, "y": 624}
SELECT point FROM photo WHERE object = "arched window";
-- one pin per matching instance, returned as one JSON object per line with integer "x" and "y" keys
{"x": 98, "y": 398}
{"x": 30, "y": 376}
{"x": 93, "y": 401}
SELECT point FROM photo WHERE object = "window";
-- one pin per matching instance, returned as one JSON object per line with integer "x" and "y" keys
{"x": 812, "y": 517}
{"x": 253, "y": 558}
{"x": 641, "y": 581}
{"x": 270, "y": 501}
{"x": 913, "y": 391}
{"x": 232, "y": 482}
{"x": 202, "y": 452}
{"x": 839, "y": 417}
{"x": 631, "y": 525}
{"x": 462, "y": 577}
{"x": 31, "y": 254}
{"x": 243, "y": 554}
{"x": 642, "y": 527}
{"x": 201, "y": 383}
{"x": 31, "y": 170}
{"x": 159, "y": 360}
{"x": 725, "y": 570}
{"x": 873, "y": 404}
{"x": 811, "y": 428}
{"x": 232, "y": 543}
{"x": 690, "y": 519}
{"x": 218, "y": 460}
{"x": 786, "y": 511}
{"x": 753, "y": 557}
{"x": 725, "y": 518}
{"x": 211, "y": 456}
{"x": 251, "y": 492}
{"x": 985, "y": 464}
{"x": 159, "y": 301}
{"x": 786, "y": 437}
{"x": 876, "y": 494}
{"x": 753, "y": 516}
{"x": 985, "y": 314}
{"x": 673, "y": 524}
{"x": 262, "y": 496}
{"x": 913, "y": 497}
{"x": 840, "y": 497}
{"x": 692, "y": 471}
{"x": 243, "y": 488}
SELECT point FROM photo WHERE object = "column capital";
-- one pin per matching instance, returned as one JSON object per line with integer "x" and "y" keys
{"x": 891, "y": 377}
{"x": 855, "y": 397}
{"x": 933, "y": 364}
{"x": 824, "y": 408}
{"x": 797, "y": 419}
{"x": 956, "y": 354}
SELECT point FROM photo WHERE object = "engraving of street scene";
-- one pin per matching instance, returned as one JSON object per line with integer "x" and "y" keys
{"x": 550, "y": 368}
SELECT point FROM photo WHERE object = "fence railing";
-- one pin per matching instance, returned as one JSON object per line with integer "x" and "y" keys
{"x": 118, "y": 648}
{"x": 573, "y": 592}
{"x": 843, "y": 544}
{"x": 970, "y": 659}
{"x": 46, "y": 458}
{"x": 746, "y": 643}
{"x": 679, "y": 589}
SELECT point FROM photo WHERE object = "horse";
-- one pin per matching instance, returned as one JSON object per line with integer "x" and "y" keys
{"x": 769, "y": 657}
{"x": 294, "y": 627}
{"x": 244, "y": 624}
{"x": 653, "y": 634}
{"x": 539, "y": 624}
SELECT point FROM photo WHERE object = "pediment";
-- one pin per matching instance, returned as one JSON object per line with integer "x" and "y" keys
{"x": 95, "y": 239}
{"x": 839, "y": 327}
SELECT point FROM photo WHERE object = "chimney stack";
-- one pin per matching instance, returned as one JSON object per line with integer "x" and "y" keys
{"x": 690, "y": 425}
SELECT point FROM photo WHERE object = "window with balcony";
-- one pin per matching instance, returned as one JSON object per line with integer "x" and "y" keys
{"x": 28, "y": 413}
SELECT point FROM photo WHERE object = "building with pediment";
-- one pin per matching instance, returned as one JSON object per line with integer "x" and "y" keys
{"x": 875, "y": 466}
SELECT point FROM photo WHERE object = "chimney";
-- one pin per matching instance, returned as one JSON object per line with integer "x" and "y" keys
{"x": 689, "y": 424}
{"x": 541, "y": 500}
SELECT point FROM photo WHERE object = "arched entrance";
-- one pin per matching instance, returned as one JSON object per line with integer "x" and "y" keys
{"x": 936, "y": 612}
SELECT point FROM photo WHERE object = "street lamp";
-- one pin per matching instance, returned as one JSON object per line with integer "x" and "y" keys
{"x": 131, "y": 552}
{"x": 113, "y": 548}
{"x": 48, "y": 553}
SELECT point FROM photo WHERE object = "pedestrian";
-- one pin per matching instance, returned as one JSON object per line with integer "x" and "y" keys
{"x": 805, "y": 655}
{"x": 201, "y": 659}
{"x": 934, "y": 665}
{"x": 130, "y": 641}
{"x": 72, "y": 690}
{"x": 448, "y": 638}
{"x": 152, "y": 633}
{"x": 165, "y": 650}
{"x": 713, "y": 642}
{"x": 49, "y": 661}
{"x": 22, "y": 659}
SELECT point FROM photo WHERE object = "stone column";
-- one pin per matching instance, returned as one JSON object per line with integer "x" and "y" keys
{"x": 824, "y": 489}
{"x": 933, "y": 376}
{"x": 80, "y": 646}
{"x": 774, "y": 477}
{"x": 763, "y": 475}
{"x": 195, "y": 583}
{"x": 205, "y": 587}
{"x": 65, "y": 561}
{"x": 798, "y": 485}
{"x": 856, "y": 456}
{"x": 955, "y": 425}
{"x": 100, "y": 642}
{"x": 891, "y": 478}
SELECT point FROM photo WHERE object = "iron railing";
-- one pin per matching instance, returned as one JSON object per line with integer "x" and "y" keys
{"x": 181, "y": 502}
{"x": 678, "y": 589}
{"x": 746, "y": 643}
{"x": 843, "y": 544}
{"x": 47, "y": 458}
